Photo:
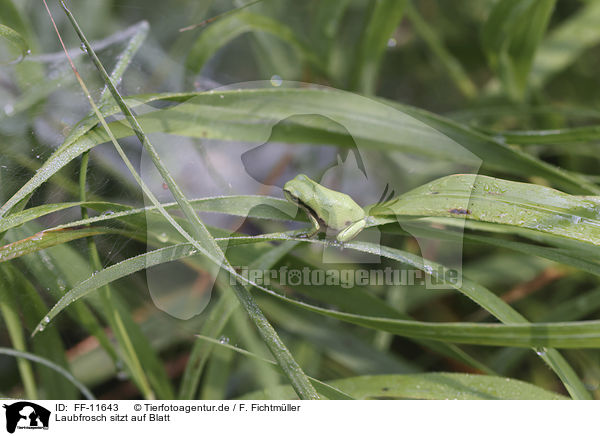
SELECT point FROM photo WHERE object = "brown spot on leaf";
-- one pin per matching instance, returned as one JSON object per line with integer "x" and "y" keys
{"x": 460, "y": 211}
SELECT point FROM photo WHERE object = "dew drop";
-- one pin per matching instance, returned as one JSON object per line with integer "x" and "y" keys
{"x": 41, "y": 328}
{"x": 163, "y": 237}
{"x": 223, "y": 340}
{"x": 82, "y": 48}
{"x": 221, "y": 96}
{"x": 46, "y": 320}
{"x": 276, "y": 80}
{"x": 540, "y": 351}
{"x": 9, "y": 109}
{"x": 391, "y": 43}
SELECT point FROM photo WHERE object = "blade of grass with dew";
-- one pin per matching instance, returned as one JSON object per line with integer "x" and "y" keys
{"x": 445, "y": 232}
{"x": 17, "y": 219}
{"x": 430, "y": 386}
{"x": 49, "y": 344}
{"x": 135, "y": 227}
{"x": 510, "y": 38}
{"x": 382, "y": 20}
{"x": 455, "y": 69}
{"x": 580, "y": 250}
{"x": 201, "y": 234}
{"x": 563, "y": 137}
{"x": 47, "y": 363}
{"x": 488, "y": 199}
{"x": 254, "y": 206}
{"x": 47, "y": 239}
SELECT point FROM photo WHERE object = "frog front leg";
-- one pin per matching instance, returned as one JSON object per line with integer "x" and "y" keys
{"x": 351, "y": 231}
{"x": 316, "y": 226}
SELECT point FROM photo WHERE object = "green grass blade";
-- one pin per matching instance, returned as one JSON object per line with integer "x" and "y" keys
{"x": 37, "y": 359}
{"x": 15, "y": 40}
{"x": 47, "y": 239}
{"x": 564, "y": 136}
{"x": 488, "y": 199}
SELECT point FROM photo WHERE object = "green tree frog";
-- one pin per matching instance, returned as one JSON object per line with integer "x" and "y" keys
{"x": 326, "y": 208}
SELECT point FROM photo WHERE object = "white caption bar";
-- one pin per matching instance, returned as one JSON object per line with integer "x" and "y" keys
{"x": 91, "y": 418}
